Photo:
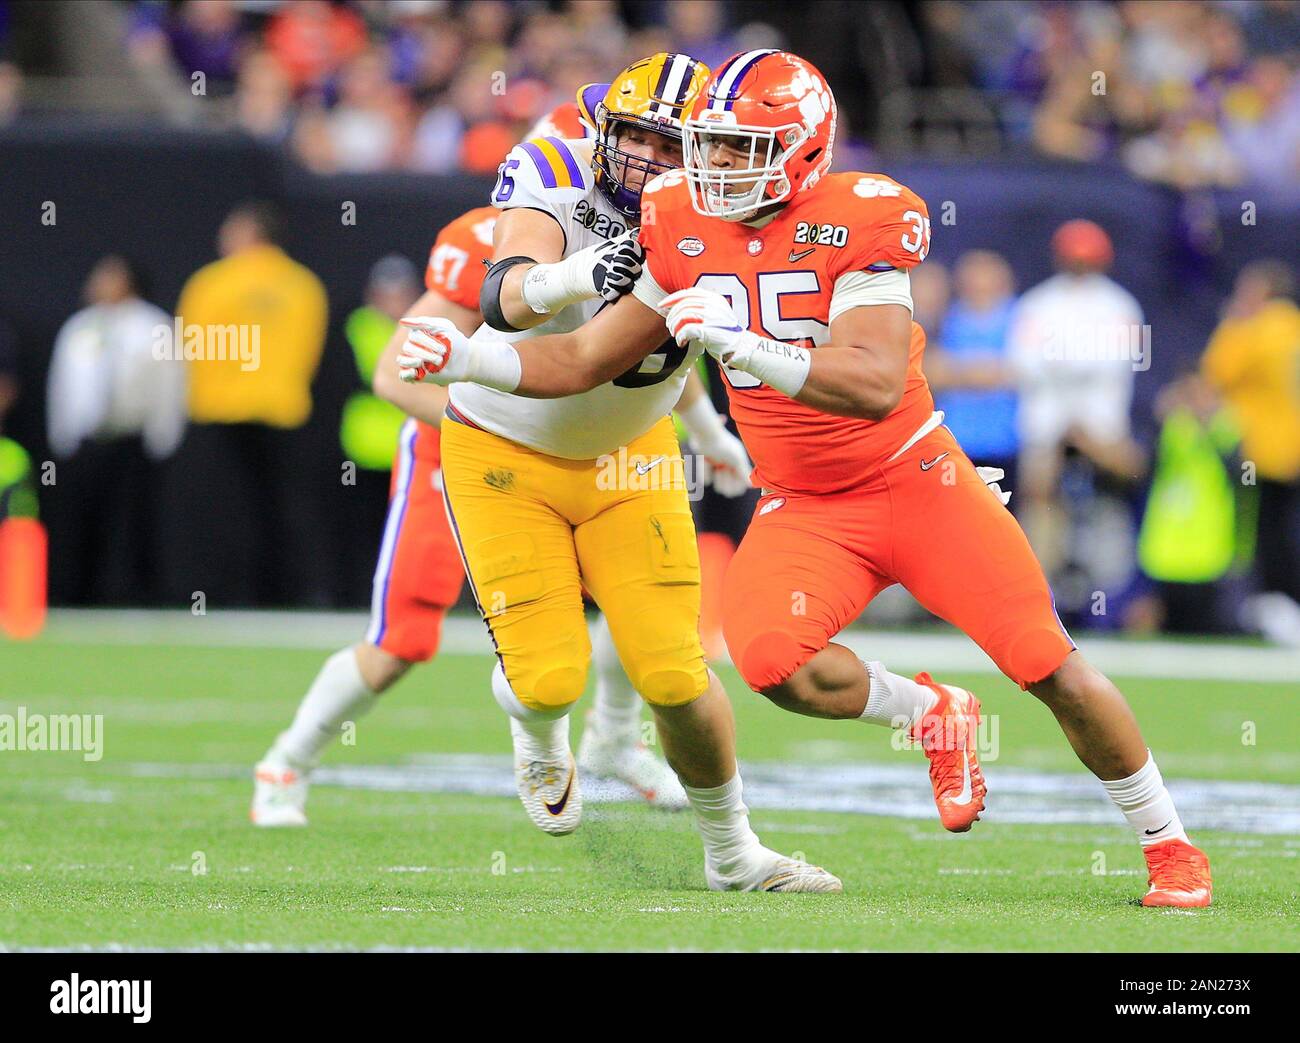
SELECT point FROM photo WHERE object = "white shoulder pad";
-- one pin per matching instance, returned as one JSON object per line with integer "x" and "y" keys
{"x": 545, "y": 174}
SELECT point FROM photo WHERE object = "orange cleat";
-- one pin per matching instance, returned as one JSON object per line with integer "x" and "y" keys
{"x": 1179, "y": 875}
{"x": 947, "y": 735}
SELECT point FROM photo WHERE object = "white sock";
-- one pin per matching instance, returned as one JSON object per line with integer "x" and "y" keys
{"x": 338, "y": 694}
{"x": 1147, "y": 804}
{"x": 723, "y": 821}
{"x": 543, "y": 735}
{"x": 616, "y": 713}
{"x": 541, "y": 740}
{"x": 895, "y": 701}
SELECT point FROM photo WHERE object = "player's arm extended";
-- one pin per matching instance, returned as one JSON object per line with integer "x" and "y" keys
{"x": 615, "y": 340}
{"x": 553, "y": 366}
{"x": 423, "y": 401}
{"x": 531, "y": 280}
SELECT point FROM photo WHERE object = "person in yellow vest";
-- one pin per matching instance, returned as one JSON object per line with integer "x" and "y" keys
{"x": 251, "y": 328}
{"x": 370, "y": 428}
{"x": 1253, "y": 361}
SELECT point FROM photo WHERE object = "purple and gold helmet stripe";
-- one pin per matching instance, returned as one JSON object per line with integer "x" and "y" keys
{"x": 723, "y": 93}
{"x": 669, "y": 95}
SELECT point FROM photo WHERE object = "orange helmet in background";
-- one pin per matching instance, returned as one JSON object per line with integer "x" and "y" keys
{"x": 1083, "y": 244}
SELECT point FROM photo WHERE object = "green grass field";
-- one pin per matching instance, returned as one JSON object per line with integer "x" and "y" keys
{"x": 105, "y": 854}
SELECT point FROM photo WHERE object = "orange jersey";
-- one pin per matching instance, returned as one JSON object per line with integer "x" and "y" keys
{"x": 780, "y": 280}
{"x": 564, "y": 121}
{"x": 456, "y": 269}
{"x": 456, "y": 262}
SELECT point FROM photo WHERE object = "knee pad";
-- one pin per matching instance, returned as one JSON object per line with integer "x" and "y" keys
{"x": 416, "y": 637}
{"x": 558, "y": 686}
{"x": 770, "y": 658}
{"x": 1034, "y": 654}
{"x": 564, "y": 684}
{"x": 674, "y": 684}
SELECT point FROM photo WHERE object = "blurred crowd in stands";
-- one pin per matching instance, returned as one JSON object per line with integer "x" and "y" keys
{"x": 1192, "y": 93}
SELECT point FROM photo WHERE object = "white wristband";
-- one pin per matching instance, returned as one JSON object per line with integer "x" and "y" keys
{"x": 777, "y": 364}
{"x": 495, "y": 364}
{"x": 550, "y": 288}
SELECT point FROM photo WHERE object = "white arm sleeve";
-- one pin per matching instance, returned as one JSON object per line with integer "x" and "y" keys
{"x": 857, "y": 289}
{"x": 646, "y": 290}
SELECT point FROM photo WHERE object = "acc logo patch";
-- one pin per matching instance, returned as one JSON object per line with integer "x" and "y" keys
{"x": 772, "y": 505}
{"x": 690, "y": 246}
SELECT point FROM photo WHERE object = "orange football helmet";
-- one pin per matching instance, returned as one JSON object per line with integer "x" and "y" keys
{"x": 761, "y": 130}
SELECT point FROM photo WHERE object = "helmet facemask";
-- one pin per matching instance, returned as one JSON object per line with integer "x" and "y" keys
{"x": 736, "y": 193}
{"x": 616, "y": 167}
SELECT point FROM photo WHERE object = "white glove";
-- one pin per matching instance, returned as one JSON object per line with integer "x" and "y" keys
{"x": 606, "y": 271}
{"x": 991, "y": 476}
{"x": 436, "y": 352}
{"x": 724, "y": 453}
{"x": 706, "y": 317}
{"x": 703, "y": 316}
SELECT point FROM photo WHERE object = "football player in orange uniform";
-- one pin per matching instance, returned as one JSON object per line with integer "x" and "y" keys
{"x": 796, "y": 280}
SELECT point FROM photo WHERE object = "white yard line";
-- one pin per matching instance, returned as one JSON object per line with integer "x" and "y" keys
{"x": 936, "y": 651}
{"x": 1016, "y": 795}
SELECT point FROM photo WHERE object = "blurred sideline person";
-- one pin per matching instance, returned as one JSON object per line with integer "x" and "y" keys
{"x": 255, "y": 325}
{"x": 370, "y": 426}
{"x": 114, "y": 411}
{"x": 527, "y": 481}
{"x": 1075, "y": 343}
{"x": 967, "y": 365}
{"x": 1192, "y": 542}
{"x": 419, "y": 573}
{"x": 1253, "y": 363}
{"x": 17, "y": 482}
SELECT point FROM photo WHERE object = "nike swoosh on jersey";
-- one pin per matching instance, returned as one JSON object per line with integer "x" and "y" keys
{"x": 645, "y": 468}
{"x": 926, "y": 465}
{"x": 799, "y": 256}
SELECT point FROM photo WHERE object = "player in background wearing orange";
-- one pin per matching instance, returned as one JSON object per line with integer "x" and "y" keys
{"x": 796, "y": 280}
{"x": 419, "y": 573}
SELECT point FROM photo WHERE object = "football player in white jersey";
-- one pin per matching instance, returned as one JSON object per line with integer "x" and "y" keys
{"x": 547, "y": 497}
{"x": 419, "y": 573}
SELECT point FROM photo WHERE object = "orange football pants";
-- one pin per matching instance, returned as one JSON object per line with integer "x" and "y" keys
{"x": 810, "y": 564}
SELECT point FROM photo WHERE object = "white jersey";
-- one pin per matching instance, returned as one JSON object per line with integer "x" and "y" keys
{"x": 555, "y": 176}
{"x": 1076, "y": 344}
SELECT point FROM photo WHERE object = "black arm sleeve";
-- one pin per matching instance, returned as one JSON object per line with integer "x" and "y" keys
{"x": 489, "y": 296}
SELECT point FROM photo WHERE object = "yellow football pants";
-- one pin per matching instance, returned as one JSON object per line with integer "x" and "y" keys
{"x": 534, "y": 529}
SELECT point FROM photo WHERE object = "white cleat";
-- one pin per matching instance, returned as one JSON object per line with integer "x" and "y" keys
{"x": 630, "y": 762}
{"x": 547, "y": 783}
{"x": 279, "y": 795}
{"x": 766, "y": 870}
